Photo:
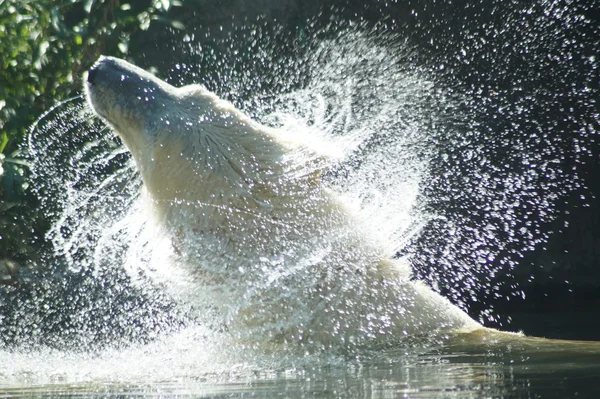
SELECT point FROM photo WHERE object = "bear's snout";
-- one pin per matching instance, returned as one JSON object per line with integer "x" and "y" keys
{"x": 110, "y": 72}
{"x": 91, "y": 75}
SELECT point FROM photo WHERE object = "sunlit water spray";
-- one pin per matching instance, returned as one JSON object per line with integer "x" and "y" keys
{"x": 416, "y": 156}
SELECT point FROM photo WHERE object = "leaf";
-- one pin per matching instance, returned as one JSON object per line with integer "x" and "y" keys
{"x": 173, "y": 22}
{"x": 177, "y": 25}
{"x": 144, "y": 20}
{"x": 88, "y": 6}
{"x": 164, "y": 4}
{"x": 3, "y": 141}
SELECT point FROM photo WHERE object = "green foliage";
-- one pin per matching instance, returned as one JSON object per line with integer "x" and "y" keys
{"x": 45, "y": 45}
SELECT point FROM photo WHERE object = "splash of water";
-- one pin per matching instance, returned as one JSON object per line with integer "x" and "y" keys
{"x": 431, "y": 163}
{"x": 99, "y": 227}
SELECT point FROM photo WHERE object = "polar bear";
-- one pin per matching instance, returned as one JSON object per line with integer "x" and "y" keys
{"x": 245, "y": 203}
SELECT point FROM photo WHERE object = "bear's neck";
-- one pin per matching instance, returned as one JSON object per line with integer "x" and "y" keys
{"x": 241, "y": 211}
{"x": 225, "y": 233}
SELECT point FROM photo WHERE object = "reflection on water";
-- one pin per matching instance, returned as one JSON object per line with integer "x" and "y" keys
{"x": 463, "y": 367}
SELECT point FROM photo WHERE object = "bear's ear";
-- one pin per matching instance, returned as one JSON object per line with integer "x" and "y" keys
{"x": 314, "y": 178}
{"x": 197, "y": 91}
{"x": 195, "y": 88}
{"x": 315, "y": 167}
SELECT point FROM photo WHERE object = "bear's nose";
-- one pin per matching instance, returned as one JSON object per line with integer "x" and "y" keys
{"x": 91, "y": 76}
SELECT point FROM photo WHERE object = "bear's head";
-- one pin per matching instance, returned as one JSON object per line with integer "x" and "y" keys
{"x": 191, "y": 147}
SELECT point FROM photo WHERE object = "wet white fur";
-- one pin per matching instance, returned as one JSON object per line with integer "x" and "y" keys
{"x": 246, "y": 204}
